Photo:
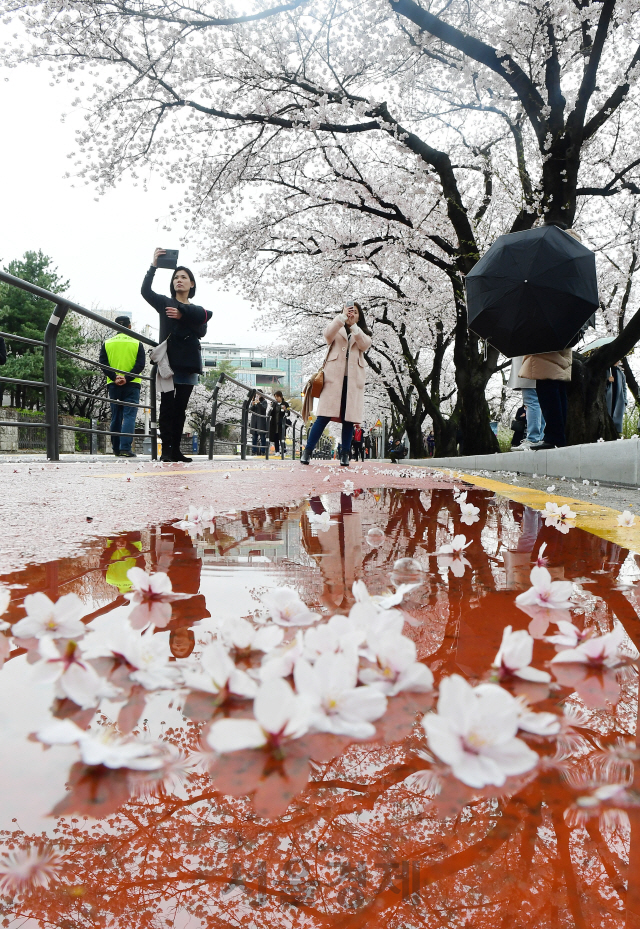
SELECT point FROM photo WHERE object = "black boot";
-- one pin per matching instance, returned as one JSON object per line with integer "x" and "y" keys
{"x": 167, "y": 452}
{"x": 306, "y": 456}
{"x": 344, "y": 460}
{"x": 175, "y": 448}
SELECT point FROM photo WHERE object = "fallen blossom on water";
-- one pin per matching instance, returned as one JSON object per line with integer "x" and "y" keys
{"x": 103, "y": 746}
{"x": 198, "y": 519}
{"x": 153, "y": 596}
{"x": 601, "y": 650}
{"x": 348, "y": 487}
{"x": 279, "y": 714}
{"x": 337, "y": 635}
{"x": 383, "y": 601}
{"x": 514, "y": 657}
{"x": 396, "y": 667}
{"x": 241, "y": 634}
{"x": 285, "y": 607}
{"x": 217, "y": 671}
{"x": 474, "y": 731}
{"x": 554, "y": 595}
{"x": 450, "y": 555}
{"x": 73, "y": 676}
{"x": 59, "y": 620}
{"x": 338, "y": 705}
{"x": 626, "y": 519}
{"x": 542, "y": 560}
{"x": 569, "y": 635}
{"x": 28, "y": 867}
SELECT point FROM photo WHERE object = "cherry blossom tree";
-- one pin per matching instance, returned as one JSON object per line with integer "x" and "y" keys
{"x": 435, "y": 129}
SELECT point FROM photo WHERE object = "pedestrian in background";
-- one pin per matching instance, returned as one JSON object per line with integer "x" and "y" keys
{"x": 182, "y": 325}
{"x": 551, "y": 371}
{"x": 519, "y": 426}
{"x": 342, "y": 397}
{"x": 358, "y": 446}
{"x": 3, "y": 352}
{"x": 258, "y": 425}
{"x": 534, "y": 419}
{"x": 617, "y": 395}
{"x": 431, "y": 444}
{"x": 122, "y": 353}
{"x": 368, "y": 445}
{"x": 278, "y": 421}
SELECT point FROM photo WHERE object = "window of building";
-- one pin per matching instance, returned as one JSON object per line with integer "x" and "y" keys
{"x": 256, "y": 364}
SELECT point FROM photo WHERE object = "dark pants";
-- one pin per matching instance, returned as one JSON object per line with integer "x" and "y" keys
{"x": 552, "y": 396}
{"x": 278, "y": 441}
{"x": 321, "y": 424}
{"x": 173, "y": 412}
{"x": 123, "y": 418}
{"x": 258, "y": 442}
{"x": 358, "y": 451}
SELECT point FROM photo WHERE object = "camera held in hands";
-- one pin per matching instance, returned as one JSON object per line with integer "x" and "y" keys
{"x": 169, "y": 259}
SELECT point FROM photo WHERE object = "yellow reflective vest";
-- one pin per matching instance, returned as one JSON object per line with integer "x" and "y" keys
{"x": 122, "y": 351}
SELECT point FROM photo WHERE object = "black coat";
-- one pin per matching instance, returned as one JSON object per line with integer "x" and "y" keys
{"x": 279, "y": 421}
{"x": 258, "y": 415}
{"x": 183, "y": 334}
{"x": 3, "y": 352}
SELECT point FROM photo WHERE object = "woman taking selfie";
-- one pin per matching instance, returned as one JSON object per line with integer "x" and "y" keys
{"x": 342, "y": 397}
{"x": 182, "y": 325}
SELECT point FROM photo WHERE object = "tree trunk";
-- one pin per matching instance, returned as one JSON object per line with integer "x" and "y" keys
{"x": 445, "y": 432}
{"x": 588, "y": 419}
{"x": 413, "y": 425}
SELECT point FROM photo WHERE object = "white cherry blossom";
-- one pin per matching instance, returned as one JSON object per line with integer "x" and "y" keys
{"x": 396, "y": 667}
{"x": 553, "y": 595}
{"x": 598, "y": 651}
{"x": 320, "y": 522}
{"x": 103, "y": 746}
{"x": 280, "y": 661}
{"x": 279, "y": 715}
{"x": 339, "y": 705}
{"x": 242, "y": 635}
{"x": 198, "y": 520}
{"x": 5, "y": 599}
{"x": 339, "y": 634}
{"x": 626, "y": 519}
{"x": 284, "y": 606}
{"x": 59, "y": 620}
{"x": 348, "y": 487}
{"x": 28, "y": 867}
{"x": 474, "y": 731}
{"x": 71, "y": 674}
{"x": 216, "y": 671}
{"x": 451, "y": 555}
{"x": 153, "y": 596}
{"x": 515, "y": 655}
{"x": 569, "y": 635}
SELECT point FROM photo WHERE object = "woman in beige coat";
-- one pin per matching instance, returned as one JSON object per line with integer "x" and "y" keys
{"x": 342, "y": 397}
{"x": 551, "y": 371}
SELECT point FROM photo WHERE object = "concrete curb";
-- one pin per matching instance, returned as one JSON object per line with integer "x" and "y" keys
{"x": 611, "y": 462}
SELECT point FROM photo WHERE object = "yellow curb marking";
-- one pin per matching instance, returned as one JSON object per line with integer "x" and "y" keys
{"x": 599, "y": 520}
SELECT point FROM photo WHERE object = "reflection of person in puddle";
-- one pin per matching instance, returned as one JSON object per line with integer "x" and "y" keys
{"x": 338, "y": 550}
{"x": 121, "y": 554}
{"x": 175, "y": 554}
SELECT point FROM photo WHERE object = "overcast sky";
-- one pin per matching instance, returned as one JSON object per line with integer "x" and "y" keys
{"x": 103, "y": 246}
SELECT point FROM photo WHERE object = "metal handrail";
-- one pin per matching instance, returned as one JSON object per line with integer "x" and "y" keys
{"x": 50, "y": 357}
{"x": 244, "y": 419}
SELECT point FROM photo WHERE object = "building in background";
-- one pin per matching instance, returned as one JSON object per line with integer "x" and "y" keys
{"x": 254, "y": 368}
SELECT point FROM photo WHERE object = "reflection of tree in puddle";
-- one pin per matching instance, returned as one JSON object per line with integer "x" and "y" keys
{"x": 373, "y": 834}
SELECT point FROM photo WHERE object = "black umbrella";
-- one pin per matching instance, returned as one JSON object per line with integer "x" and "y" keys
{"x": 532, "y": 292}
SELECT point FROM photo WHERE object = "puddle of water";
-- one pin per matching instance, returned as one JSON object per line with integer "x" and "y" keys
{"x": 328, "y": 830}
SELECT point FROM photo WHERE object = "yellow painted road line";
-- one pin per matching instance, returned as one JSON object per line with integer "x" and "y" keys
{"x": 185, "y": 472}
{"x": 599, "y": 520}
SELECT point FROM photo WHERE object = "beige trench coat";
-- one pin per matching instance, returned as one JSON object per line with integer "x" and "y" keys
{"x": 549, "y": 366}
{"x": 335, "y": 370}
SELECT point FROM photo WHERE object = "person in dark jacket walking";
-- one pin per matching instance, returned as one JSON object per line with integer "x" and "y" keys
{"x": 278, "y": 422}
{"x": 258, "y": 425}
{"x": 123, "y": 353}
{"x": 182, "y": 325}
{"x": 3, "y": 352}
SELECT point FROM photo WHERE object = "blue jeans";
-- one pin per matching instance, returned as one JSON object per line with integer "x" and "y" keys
{"x": 123, "y": 418}
{"x": 321, "y": 424}
{"x": 535, "y": 419}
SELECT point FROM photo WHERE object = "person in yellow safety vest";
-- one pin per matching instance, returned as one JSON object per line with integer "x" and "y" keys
{"x": 123, "y": 353}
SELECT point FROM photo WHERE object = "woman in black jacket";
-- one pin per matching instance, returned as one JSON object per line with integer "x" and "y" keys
{"x": 182, "y": 325}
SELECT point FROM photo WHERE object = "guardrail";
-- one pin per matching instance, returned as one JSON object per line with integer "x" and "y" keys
{"x": 244, "y": 422}
{"x": 50, "y": 358}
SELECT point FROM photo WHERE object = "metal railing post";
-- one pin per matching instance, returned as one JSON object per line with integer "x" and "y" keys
{"x": 51, "y": 381}
{"x": 267, "y": 429}
{"x": 93, "y": 438}
{"x": 153, "y": 405}
{"x": 243, "y": 424}
{"x": 214, "y": 415}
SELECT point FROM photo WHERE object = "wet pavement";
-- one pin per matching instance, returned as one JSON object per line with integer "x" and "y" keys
{"x": 324, "y": 830}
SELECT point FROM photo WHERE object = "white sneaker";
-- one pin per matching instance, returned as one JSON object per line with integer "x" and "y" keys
{"x": 525, "y": 446}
